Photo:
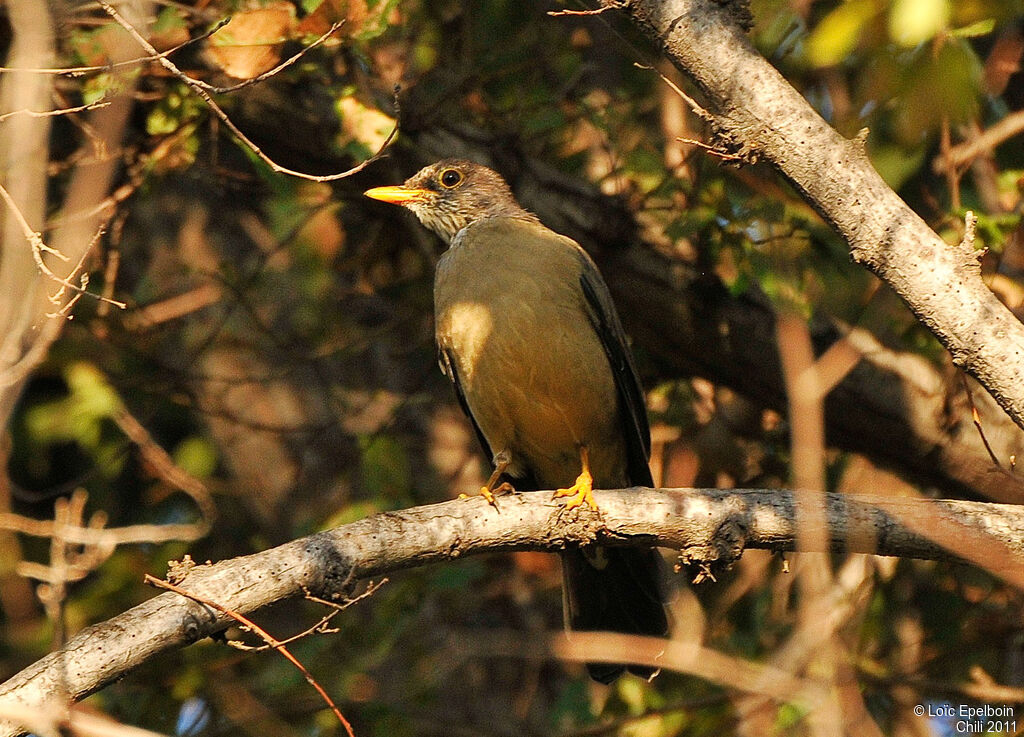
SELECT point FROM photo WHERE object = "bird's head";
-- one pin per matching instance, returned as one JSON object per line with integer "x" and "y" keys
{"x": 451, "y": 194}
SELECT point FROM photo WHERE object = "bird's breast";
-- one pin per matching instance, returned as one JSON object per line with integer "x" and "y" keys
{"x": 529, "y": 362}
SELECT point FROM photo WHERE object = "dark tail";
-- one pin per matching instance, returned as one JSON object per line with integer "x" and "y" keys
{"x": 614, "y": 590}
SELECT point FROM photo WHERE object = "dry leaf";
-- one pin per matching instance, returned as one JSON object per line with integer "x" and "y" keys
{"x": 363, "y": 124}
{"x": 353, "y": 12}
{"x": 251, "y": 42}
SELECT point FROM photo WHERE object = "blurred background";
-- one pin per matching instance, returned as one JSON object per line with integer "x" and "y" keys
{"x": 273, "y": 371}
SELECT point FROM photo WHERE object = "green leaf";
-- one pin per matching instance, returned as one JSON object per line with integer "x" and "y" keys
{"x": 838, "y": 33}
{"x": 915, "y": 21}
{"x": 169, "y": 19}
{"x": 352, "y": 513}
{"x": 978, "y": 28}
{"x": 789, "y": 716}
{"x": 896, "y": 164}
{"x": 197, "y": 456}
{"x": 79, "y": 416}
{"x": 385, "y": 467}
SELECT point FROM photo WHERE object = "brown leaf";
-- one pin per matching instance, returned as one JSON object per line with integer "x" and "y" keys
{"x": 366, "y": 125}
{"x": 353, "y": 12}
{"x": 250, "y": 43}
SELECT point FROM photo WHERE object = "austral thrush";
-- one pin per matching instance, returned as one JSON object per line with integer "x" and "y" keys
{"x": 529, "y": 336}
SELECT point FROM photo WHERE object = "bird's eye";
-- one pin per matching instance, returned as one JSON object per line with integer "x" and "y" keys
{"x": 450, "y": 178}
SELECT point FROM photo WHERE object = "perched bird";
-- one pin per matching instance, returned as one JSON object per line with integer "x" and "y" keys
{"x": 528, "y": 334}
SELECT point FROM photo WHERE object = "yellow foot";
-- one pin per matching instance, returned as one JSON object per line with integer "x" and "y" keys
{"x": 487, "y": 493}
{"x": 581, "y": 492}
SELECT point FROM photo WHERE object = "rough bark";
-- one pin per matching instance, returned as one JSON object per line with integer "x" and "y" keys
{"x": 704, "y": 525}
{"x": 756, "y": 112}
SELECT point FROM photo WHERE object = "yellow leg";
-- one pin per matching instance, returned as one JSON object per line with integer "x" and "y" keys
{"x": 581, "y": 491}
{"x": 488, "y": 490}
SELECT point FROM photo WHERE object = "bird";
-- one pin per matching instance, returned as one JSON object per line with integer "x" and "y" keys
{"x": 529, "y": 336}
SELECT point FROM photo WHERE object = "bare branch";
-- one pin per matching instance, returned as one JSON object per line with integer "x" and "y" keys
{"x": 756, "y": 109}
{"x": 61, "y": 111}
{"x": 708, "y": 523}
{"x": 97, "y": 535}
{"x": 162, "y": 463}
{"x": 697, "y": 109}
{"x": 78, "y": 71}
{"x": 711, "y": 149}
{"x": 200, "y": 89}
{"x": 593, "y": 11}
{"x": 970, "y": 225}
{"x": 27, "y": 332}
{"x": 39, "y": 247}
{"x": 54, "y": 719}
{"x": 321, "y": 626}
{"x": 964, "y": 153}
{"x": 266, "y": 636}
{"x": 271, "y": 72}
{"x": 976, "y": 419}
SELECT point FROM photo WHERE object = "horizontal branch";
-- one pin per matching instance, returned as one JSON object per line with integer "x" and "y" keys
{"x": 705, "y": 525}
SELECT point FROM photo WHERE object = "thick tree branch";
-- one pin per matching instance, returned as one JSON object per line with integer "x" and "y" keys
{"x": 704, "y": 525}
{"x": 759, "y": 114}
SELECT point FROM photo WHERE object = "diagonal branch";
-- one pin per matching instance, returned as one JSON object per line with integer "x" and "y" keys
{"x": 267, "y": 637}
{"x": 757, "y": 112}
{"x": 964, "y": 153}
{"x": 703, "y": 524}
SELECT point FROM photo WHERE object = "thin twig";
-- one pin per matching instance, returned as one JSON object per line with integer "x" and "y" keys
{"x": 965, "y": 153}
{"x": 113, "y": 263}
{"x": 78, "y": 71}
{"x": 131, "y": 534}
{"x": 953, "y": 172}
{"x": 267, "y": 637}
{"x": 55, "y": 720}
{"x": 970, "y": 225}
{"x": 976, "y": 418}
{"x": 57, "y": 298}
{"x": 371, "y": 589}
{"x": 319, "y": 627}
{"x": 198, "y": 88}
{"x": 165, "y": 467}
{"x": 60, "y": 111}
{"x": 32, "y": 236}
{"x": 595, "y": 11}
{"x": 271, "y": 72}
{"x": 711, "y": 149}
{"x": 39, "y": 247}
{"x": 696, "y": 107}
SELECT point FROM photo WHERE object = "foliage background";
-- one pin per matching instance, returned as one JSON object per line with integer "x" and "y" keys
{"x": 278, "y": 346}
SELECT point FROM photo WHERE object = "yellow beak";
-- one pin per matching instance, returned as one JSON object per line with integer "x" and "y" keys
{"x": 398, "y": 195}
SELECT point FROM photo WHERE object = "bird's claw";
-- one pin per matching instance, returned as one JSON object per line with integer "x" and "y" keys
{"x": 580, "y": 492}
{"x": 487, "y": 493}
